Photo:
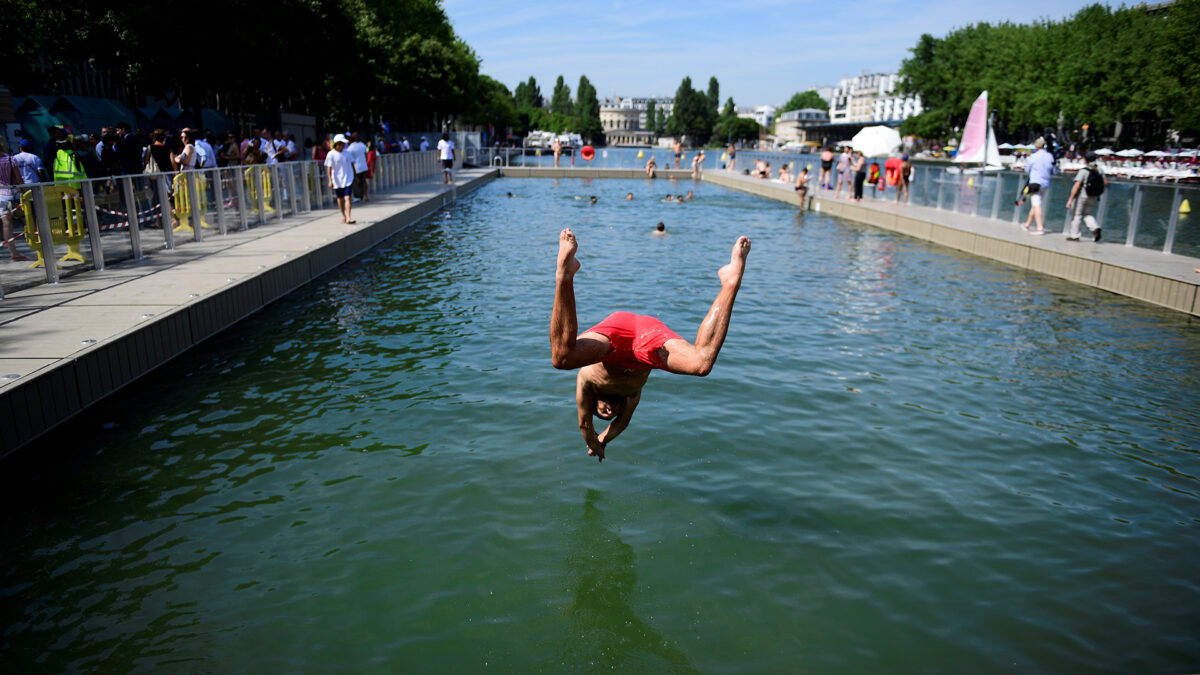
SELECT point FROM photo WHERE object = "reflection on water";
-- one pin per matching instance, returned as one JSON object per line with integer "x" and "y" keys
{"x": 611, "y": 636}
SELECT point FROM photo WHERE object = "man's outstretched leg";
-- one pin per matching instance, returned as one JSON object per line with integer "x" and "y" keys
{"x": 698, "y": 359}
{"x": 566, "y": 352}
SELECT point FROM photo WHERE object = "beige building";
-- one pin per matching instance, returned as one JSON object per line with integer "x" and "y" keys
{"x": 793, "y": 125}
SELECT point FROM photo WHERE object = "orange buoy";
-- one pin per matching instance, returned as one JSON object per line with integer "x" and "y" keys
{"x": 587, "y": 152}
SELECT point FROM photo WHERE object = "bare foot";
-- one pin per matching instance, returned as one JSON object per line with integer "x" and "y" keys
{"x": 731, "y": 274}
{"x": 567, "y": 264}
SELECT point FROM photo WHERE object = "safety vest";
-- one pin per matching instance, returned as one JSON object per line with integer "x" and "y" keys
{"x": 67, "y": 168}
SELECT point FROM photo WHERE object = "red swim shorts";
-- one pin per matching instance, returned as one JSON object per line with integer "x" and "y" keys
{"x": 635, "y": 340}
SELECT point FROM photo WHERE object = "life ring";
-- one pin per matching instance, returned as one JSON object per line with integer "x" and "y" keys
{"x": 587, "y": 152}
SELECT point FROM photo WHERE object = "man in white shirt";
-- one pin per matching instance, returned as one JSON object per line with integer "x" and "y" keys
{"x": 357, "y": 151}
{"x": 446, "y": 153}
{"x": 424, "y": 144}
{"x": 340, "y": 169}
{"x": 404, "y": 147}
{"x": 206, "y": 157}
{"x": 267, "y": 146}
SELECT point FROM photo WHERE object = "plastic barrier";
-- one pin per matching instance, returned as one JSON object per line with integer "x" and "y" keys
{"x": 64, "y": 208}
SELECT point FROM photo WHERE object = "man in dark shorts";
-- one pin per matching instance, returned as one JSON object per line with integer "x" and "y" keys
{"x": 826, "y": 167}
{"x": 615, "y": 356}
{"x": 678, "y": 150}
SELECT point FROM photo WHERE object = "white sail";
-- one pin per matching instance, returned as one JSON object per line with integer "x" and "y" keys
{"x": 992, "y": 156}
{"x": 974, "y": 145}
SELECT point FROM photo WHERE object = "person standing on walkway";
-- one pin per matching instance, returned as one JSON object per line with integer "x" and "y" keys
{"x": 1091, "y": 181}
{"x": 677, "y": 148}
{"x": 1040, "y": 168}
{"x": 697, "y": 165}
{"x": 902, "y": 186}
{"x": 845, "y": 175}
{"x": 339, "y": 167}
{"x": 860, "y": 174}
{"x": 357, "y": 152}
{"x": 29, "y": 164}
{"x": 10, "y": 198}
{"x": 732, "y": 156}
{"x": 446, "y": 154}
{"x": 555, "y": 147}
{"x": 826, "y": 168}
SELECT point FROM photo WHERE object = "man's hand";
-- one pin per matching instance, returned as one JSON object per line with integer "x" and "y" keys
{"x": 596, "y": 448}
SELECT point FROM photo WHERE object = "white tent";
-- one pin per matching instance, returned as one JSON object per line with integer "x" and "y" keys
{"x": 1005, "y": 146}
{"x": 879, "y": 141}
{"x": 1156, "y": 153}
{"x": 1104, "y": 152}
{"x": 1132, "y": 152}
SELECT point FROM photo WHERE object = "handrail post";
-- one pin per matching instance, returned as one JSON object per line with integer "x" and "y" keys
{"x": 93, "y": 225}
{"x": 291, "y": 183}
{"x": 164, "y": 212}
{"x": 996, "y": 197}
{"x": 276, "y": 196}
{"x": 240, "y": 189}
{"x": 1172, "y": 224}
{"x": 305, "y": 167}
{"x": 260, "y": 202}
{"x": 941, "y": 188}
{"x": 135, "y": 233}
{"x": 1135, "y": 213}
{"x": 219, "y": 198}
{"x": 189, "y": 178}
{"x": 46, "y": 241}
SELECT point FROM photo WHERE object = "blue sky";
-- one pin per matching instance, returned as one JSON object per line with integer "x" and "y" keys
{"x": 760, "y": 51}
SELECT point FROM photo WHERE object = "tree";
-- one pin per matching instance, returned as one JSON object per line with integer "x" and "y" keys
{"x": 493, "y": 106}
{"x": 734, "y": 128}
{"x": 806, "y": 99}
{"x": 560, "y": 101}
{"x": 651, "y": 120}
{"x": 690, "y": 115}
{"x": 729, "y": 110}
{"x": 714, "y": 98}
{"x": 587, "y": 112}
{"x": 528, "y": 94}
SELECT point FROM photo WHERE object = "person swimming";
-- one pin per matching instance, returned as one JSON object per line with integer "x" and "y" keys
{"x": 615, "y": 356}
{"x": 661, "y": 228}
{"x": 593, "y": 200}
{"x": 629, "y": 197}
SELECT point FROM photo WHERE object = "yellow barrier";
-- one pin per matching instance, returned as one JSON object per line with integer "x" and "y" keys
{"x": 252, "y": 193}
{"x": 64, "y": 207}
{"x": 183, "y": 202}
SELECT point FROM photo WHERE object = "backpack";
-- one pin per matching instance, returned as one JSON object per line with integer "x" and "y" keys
{"x": 1094, "y": 183}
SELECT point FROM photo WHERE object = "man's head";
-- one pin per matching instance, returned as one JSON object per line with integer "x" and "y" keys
{"x": 1039, "y": 143}
{"x": 354, "y": 136}
{"x": 608, "y": 406}
{"x": 25, "y": 144}
{"x": 123, "y": 128}
{"x": 661, "y": 227}
{"x": 339, "y": 142}
{"x": 445, "y": 137}
{"x": 1090, "y": 157}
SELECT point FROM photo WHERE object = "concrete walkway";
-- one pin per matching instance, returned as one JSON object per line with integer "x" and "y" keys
{"x": 66, "y": 346}
{"x": 1160, "y": 278}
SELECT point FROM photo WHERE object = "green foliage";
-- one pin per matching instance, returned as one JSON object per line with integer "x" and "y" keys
{"x": 805, "y": 99}
{"x": 350, "y": 62}
{"x": 1101, "y": 66}
{"x": 714, "y": 98}
{"x": 651, "y": 112}
{"x": 692, "y": 115}
{"x": 729, "y": 110}
{"x": 587, "y": 112}
{"x": 929, "y": 124}
{"x": 560, "y": 101}
{"x": 528, "y": 94}
{"x": 734, "y": 128}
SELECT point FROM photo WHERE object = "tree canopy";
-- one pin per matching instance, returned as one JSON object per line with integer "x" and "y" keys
{"x": 805, "y": 99}
{"x": 349, "y": 62}
{"x": 1111, "y": 69}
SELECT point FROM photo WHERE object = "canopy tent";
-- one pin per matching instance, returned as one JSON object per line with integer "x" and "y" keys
{"x": 211, "y": 118}
{"x": 1132, "y": 152}
{"x": 35, "y": 118}
{"x": 1104, "y": 152}
{"x": 877, "y": 141}
{"x": 1157, "y": 153}
{"x": 1006, "y": 146}
{"x": 89, "y": 114}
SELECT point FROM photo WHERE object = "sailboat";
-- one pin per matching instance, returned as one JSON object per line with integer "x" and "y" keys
{"x": 978, "y": 147}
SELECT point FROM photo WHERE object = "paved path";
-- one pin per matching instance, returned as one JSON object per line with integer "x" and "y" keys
{"x": 65, "y": 346}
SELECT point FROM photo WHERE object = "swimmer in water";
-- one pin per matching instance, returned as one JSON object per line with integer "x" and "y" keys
{"x": 629, "y": 197}
{"x": 593, "y": 200}
{"x": 615, "y": 357}
{"x": 669, "y": 198}
{"x": 510, "y": 194}
{"x": 661, "y": 228}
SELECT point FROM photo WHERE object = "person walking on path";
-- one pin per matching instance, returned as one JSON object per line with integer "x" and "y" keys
{"x": 357, "y": 152}
{"x": 1040, "y": 168}
{"x": 446, "y": 154}
{"x": 1092, "y": 183}
{"x": 615, "y": 357}
{"x": 339, "y": 167}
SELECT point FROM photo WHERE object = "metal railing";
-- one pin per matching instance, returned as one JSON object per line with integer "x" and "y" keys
{"x": 89, "y": 224}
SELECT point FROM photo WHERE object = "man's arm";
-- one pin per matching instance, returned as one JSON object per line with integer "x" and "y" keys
{"x": 585, "y": 402}
{"x": 1074, "y": 193}
{"x": 622, "y": 419}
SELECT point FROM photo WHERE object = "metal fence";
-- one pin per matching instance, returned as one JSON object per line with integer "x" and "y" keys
{"x": 1136, "y": 213}
{"x": 89, "y": 224}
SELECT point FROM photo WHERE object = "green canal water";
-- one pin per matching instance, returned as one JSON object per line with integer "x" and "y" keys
{"x": 906, "y": 460}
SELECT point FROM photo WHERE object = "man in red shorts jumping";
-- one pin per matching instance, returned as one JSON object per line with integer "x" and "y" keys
{"x": 615, "y": 356}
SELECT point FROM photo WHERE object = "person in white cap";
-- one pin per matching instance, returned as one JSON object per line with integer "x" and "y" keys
{"x": 340, "y": 169}
{"x": 424, "y": 144}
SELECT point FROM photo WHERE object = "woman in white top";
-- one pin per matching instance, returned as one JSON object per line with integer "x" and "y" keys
{"x": 186, "y": 160}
